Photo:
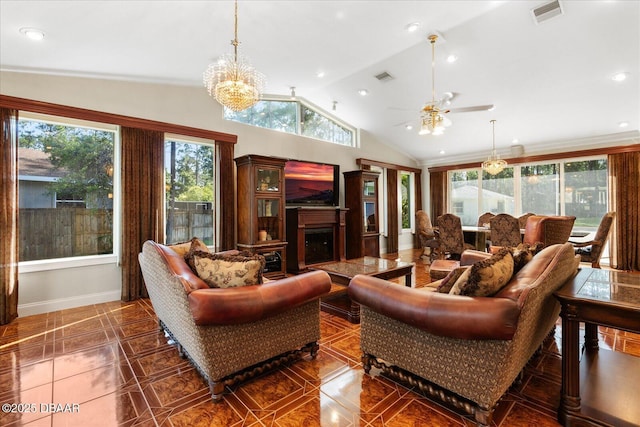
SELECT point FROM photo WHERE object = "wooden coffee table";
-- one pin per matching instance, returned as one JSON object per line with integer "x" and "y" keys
{"x": 599, "y": 386}
{"x": 341, "y": 272}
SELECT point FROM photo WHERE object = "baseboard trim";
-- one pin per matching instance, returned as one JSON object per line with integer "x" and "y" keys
{"x": 41, "y": 307}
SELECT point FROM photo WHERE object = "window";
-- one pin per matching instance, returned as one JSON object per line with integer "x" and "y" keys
{"x": 406, "y": 200}
{"x": 567, "y": 187}
{"x": 270, "y": 114}
{"x": 190, "y": 190}
{"x": 285, "y": 115}
{"x": 65, "y": 174}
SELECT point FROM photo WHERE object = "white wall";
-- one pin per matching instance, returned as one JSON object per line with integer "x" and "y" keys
{"x": 183, "y": 105}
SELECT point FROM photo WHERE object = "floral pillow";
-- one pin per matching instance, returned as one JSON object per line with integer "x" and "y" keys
{"x": 521, "y": 256}
{"x": 229, "y": 271}
{"x": 485, "y": 278}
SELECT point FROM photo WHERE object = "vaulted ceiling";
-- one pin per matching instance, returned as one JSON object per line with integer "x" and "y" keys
{"x": 550, "y": 82}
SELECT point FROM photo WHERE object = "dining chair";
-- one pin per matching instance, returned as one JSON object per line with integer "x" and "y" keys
{"x": 548, "y": 230}
{"x": 426, "y": 235}
{"x": 484, "y": 218}
{"x": 591, "y": 251}
{"x": 451, "y": 242}
{"x": 522, "y": 219}
{"x": 505, "y": 231}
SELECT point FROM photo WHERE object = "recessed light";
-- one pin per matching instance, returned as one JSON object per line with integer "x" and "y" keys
{"x": 623, "y": 124}
{"x": 320, "y": 74}
{"x": 408, "y": 127}
{"x": 493, "y": 107}
{"x": 363, "y": 92}
{"x": 514, "y": 141}
{"x": 32, "y": 33}
{"x": 441, "y": 151}
{"x": 620, "y": 77}
{"x": 413, "y": 27}
{"x": 452, "y": 58}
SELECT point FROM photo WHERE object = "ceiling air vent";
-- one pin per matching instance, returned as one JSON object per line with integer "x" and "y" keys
{"x": 384, "y": 77}
{"x": 546, "y": 11}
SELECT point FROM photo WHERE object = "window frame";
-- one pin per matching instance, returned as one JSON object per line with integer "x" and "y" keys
{"x": 517, "y": 180}
{"x": 87, "y": 260}
{"x": 300, "y": 104}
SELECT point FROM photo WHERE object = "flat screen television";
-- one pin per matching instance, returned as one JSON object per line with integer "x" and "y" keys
{"x": 311, "y": 183}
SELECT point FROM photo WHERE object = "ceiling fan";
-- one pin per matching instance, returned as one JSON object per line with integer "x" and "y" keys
{"x": 433, "y": 114}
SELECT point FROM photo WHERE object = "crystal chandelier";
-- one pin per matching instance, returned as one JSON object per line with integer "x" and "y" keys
{"x": 433, "y": 119}
{"x": 232, "y": 81}
{"x": 494, "y": 164}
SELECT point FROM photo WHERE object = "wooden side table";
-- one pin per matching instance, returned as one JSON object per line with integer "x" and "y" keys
{"x": 599, "y": 387}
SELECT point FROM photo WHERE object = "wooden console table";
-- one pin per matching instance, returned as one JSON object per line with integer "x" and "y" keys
{"x": 603, "y": 388}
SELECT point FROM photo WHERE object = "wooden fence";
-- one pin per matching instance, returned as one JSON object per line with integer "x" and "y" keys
{"x": 70, "y": 232}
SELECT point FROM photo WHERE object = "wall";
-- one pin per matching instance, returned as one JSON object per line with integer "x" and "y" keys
{"x": 183, "y": 105}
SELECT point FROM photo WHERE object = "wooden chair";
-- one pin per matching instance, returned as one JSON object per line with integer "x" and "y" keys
{"x": 505, "y": 231}
{"x": 426, "y": 235}
{"x": 522, "y": 219}
{"x": 548, "y": 230}
{"x": 451, "y": 242}
{"x": 485, "y": 218}
{"x": 591, "y": 251}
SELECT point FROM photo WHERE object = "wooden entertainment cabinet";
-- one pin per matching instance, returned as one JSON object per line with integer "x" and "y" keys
{"x": 315, "y": 235}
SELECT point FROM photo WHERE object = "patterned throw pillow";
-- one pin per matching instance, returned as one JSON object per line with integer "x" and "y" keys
{"x": 456, "y": 289}
{"x": 447, "y": 283}
{"x": 196, "y": 245}
{"x": 488, "y": 276}
{"x": 229, "y": 271}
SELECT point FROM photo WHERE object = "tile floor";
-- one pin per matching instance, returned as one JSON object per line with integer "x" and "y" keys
{"x": 108, "y": 365}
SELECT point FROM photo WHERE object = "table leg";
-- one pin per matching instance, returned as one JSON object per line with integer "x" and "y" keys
{"x": 407, "y": 280}
{"x": 590, "y": 336}
{"x": 570, "y": 398}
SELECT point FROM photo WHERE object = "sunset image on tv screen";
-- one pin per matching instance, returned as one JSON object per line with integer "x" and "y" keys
{"x": 308, "y": 182}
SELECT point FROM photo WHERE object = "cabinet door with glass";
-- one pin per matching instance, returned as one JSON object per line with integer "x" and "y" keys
{"x": 362, "y": 219}
{"x": 269, "y": 219}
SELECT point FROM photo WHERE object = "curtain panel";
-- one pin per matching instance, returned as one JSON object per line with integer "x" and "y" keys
{"x": 8, "y": 215}
{"x": 438, "y": 193}
{"x": 624, "y": 185}
{"x": 142, "y": 174}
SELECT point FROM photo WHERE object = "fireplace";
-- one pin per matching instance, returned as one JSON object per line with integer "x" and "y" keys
{"x": 318, "y": 245}
{"x": 314, "y": 235}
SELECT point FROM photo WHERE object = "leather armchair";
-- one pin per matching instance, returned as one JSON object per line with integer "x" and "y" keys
{"x": 231, "y": 334}
{"x": 466, "y": 351}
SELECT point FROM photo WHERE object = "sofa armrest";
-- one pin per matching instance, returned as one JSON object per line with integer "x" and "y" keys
{"x": 228, "y": 306}
{"x": 454, "y": 316}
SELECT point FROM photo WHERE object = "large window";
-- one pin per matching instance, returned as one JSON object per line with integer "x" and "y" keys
{"x": 190, "y": 190}
{"x": 566, "y": 187}
{"x": 297, "y": 117}
{"x": 66, "y": 187}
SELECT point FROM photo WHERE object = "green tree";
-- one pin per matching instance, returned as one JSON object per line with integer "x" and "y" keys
{"x": 84, "y": 155}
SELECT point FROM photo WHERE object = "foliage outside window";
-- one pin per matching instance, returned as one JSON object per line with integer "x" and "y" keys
{"x": 405, "y": 188}
{"x": 285, "y": 115}
{"x": 189, "y": 184}
{"x": 568, "y": 187}
{"x": 65, "y": 190}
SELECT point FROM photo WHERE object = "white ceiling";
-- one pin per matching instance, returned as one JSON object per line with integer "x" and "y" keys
{"x": 550, "y": 82}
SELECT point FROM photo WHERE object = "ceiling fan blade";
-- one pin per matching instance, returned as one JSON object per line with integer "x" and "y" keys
{"x": 471, "y": 109}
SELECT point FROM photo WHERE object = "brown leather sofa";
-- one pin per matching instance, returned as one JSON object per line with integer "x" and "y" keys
{"x": 466, "y": 351}
{"x": 232, "y": 334}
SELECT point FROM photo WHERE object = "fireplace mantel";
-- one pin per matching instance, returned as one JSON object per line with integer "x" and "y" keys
{"x": 311, "y": 220}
